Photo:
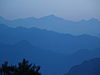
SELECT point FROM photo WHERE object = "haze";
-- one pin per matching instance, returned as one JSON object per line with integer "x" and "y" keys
{"x": 67, "y": 9}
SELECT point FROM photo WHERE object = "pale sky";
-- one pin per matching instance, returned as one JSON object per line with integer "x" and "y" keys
{"x": 67, "y": 9}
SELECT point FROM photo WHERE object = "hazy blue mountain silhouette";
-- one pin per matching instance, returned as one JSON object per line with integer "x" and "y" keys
{"x": 57, "y": 24}
{"x": 51, "y": 62}
{"x": 48, "y": 40}
{"x": 90, "y": 67}
{"x": 42, "y": 45}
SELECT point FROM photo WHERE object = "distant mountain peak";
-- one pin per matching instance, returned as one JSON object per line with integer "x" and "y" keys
{"x": 49, "y": 16}
{"x": 93, "y": 20}
{"x": 52, "y": 17}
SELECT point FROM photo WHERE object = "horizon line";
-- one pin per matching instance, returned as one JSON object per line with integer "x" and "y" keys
{"x": 47, "y": 16}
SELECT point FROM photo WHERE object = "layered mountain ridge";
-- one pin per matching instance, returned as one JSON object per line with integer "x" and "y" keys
{"x": 54, "y": 23}
{"x": 48, "y": 40}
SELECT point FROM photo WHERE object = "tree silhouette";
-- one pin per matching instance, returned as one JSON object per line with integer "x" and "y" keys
{"x": 23, "y": 68}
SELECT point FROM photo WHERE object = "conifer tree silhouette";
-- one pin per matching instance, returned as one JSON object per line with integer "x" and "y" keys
{"x": 23, "y": 68}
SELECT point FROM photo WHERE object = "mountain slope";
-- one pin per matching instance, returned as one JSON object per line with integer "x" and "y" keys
{"x": 91, "y": 67}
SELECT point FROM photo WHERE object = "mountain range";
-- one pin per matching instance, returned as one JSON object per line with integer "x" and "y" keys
{"x": 57, "y": 24}
{"x": 48, "y": 40}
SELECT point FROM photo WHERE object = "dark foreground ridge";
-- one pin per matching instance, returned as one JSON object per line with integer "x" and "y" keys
{"x": 91, "y": 67}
